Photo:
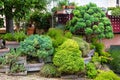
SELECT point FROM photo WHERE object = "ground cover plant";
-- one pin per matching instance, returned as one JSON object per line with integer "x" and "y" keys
{"x": 107, "y": 75}
{"x": 115, "y": 63}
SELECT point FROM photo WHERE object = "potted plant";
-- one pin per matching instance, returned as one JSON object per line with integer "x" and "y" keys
{"x": 3, "y": 67}
{"x": 30, "y": 29}
{"x": 72, "y": 5}
{"x": 17, "y": 69}
{"x": 12, "y": 40}
{"x": 63, "y": 4}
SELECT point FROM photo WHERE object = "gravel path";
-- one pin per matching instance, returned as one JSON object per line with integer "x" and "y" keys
{"x": 28, "y": 77}
{"x": 33, "y": 76}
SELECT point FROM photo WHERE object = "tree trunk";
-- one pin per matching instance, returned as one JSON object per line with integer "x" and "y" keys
{"x": 9, "y": 18}
{"x": 9, "y": 25}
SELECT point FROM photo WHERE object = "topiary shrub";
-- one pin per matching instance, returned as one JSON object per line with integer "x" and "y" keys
{"x": 91, "y": 70}
{"x": 91, "y": 21}
{"x": 57, "y": 36}
{"x": 49, "y": 70}
{"x": 37, "y": 46}
{"x": 107, "y": 75}
{"x": 67, "y": 57}
{"x": 83, "y": 46}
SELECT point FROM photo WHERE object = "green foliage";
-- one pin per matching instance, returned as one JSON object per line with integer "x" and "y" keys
{"x": 49, "y": 70}
{"x": 83, "y": 46}
{"x": 91, "y": 70}
{"x": 17, "y": 36}
{"x": 40, "y": 19}
{"x": 99, "y": 47}
{"x": 92, "y": 46}
{"x": 88, "y": 31}
{"x": 115, "y": 63}
{"x": 100, "y": 59}
{"x": 107, "y": 75}
{"x": 37, "y": 46}
{"x": 95, "y": 58}
{"x": 9, "y": 37}
{"x": 63, "y": 3}
{"x": 16, "y": 68}
{"x": 2, "y": 59}
{"x": 67, "y": 57}
{"x": 92, "y": 21}
{"x": 101, "y": 56}
{"x": 20, "y": 36}
{"x": 21, "y": 9}
{"x": 76, "y": 12}
{"x": 68, "y": 34}
{"x": 9, "y": 58}
{"x": 57, "y": 36}
{"x": 116, "y": 11}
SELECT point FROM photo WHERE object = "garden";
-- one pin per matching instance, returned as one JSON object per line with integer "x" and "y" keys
{"x": 74, "y": 51}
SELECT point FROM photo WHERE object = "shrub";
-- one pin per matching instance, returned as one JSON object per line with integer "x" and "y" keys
{"x": 37, "y": 46}
{"x": 68, "y": 34}
{"x": 116, "y": 11}
{"x": 100, "y": 59}
{"x": 108, "y": 75}
{"x": 90, "y": 21}
{"x": 49, "y": 70}
{"x": 17, "y": 36}
{"x": 57, "y": 36}
{"x": 115, "y": 63}
{"x": 100, "y": 49}
{"x": 83, "y": 45}
{"x": 20, "y": 36}
{"x": 67, "y": 57}
{"x": 40, "y": 19}
{"x": 9, "y": 37}
{"x": 91, "y": 70}
{"x": 16, "y": 68}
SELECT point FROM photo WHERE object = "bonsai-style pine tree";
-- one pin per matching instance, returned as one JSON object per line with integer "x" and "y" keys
{"x": 90, "y": 20}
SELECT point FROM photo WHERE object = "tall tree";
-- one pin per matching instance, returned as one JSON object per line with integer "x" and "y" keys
{"x": 18, "y": 8}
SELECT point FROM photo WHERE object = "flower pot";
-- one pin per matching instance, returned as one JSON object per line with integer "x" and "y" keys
{"x": 12, "y": 44}
{"x": 4, "y": 68}
{"x": 4, "y": 51}
{"x": 30, "y": 30}
{"x": 63, "y": 7}
{"x": 34, "y": 67}
{"x": 39, "y": 31}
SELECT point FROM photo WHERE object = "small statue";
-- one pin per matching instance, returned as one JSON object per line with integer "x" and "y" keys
{"x": 2, "y": 44}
